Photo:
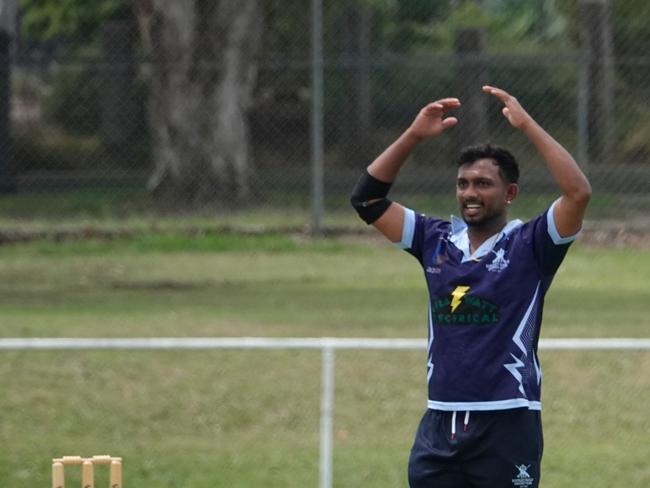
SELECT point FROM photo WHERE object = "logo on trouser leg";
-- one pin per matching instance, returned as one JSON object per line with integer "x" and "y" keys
{"x": 523, "y": 479}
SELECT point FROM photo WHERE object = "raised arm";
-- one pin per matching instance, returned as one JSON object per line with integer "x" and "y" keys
{"x": 369, "y": 195}
{"x": 570, "y": 209}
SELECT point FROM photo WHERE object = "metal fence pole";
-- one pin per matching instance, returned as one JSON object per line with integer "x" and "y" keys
{"x": 317, "y": 205}
{"x": 582, "y": 147}
{"x": 7, "y": 24}
{"x": 326, "y": 417}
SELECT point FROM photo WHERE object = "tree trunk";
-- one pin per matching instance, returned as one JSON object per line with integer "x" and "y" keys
{"x": 7, "y": 34}
{"x": 356, "y": 117}
{"x": 118, "y": 96}
{"x": 7, "y": 183}
{"x": 597, "y": 46}
{"x": 202, "y": 76}
{"x": 470, "y": 76}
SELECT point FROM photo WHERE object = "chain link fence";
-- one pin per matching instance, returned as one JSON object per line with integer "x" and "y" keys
{"x": 276, "y": 107}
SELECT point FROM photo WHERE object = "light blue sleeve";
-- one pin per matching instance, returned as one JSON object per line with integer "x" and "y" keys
{"x": 552, "y": 229}
{"x": 408, "y": 230}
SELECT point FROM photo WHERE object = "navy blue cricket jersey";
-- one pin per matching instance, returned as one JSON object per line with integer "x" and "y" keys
{"x": 485, "y": 309}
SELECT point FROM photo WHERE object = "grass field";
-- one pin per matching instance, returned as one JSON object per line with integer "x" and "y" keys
{"x": 250, "y": 418}
{"x": 53, "y": 208}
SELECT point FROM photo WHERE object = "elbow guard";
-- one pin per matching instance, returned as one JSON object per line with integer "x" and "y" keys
{"x": 369, "y": 198}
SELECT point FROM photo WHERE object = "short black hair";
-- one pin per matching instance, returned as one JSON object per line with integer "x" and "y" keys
{"x": 508, "y": 166}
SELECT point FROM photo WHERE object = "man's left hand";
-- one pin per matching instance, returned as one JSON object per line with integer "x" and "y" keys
{"x": 512, "y": 111}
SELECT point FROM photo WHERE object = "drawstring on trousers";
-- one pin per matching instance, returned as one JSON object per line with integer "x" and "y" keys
{"x": 453, "y": 423}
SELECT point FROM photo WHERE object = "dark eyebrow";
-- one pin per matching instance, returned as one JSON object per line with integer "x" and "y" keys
{"x": 477, "y": 179}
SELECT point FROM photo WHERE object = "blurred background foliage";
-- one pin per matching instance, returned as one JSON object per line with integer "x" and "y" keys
{"x": 383, "y": 59}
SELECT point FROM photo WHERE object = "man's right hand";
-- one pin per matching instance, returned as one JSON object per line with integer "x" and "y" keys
{"x": 430, "y": 122}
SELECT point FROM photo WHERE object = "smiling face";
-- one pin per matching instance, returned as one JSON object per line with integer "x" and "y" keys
{"x": 483, "y": 195}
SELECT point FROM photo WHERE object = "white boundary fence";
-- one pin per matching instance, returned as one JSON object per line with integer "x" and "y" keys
{"x": 327, "y": 345}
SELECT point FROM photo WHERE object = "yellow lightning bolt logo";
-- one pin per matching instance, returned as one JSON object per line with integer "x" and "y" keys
{"x": 458, "y": 295}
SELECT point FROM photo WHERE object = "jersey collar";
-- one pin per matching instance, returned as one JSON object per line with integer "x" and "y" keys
{"x": 460, "y": 238}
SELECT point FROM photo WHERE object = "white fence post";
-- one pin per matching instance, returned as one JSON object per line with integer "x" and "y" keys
{"x": 327, "y": 417}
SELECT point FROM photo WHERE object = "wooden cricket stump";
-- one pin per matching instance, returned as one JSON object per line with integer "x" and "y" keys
{"x": 87, "y": 470}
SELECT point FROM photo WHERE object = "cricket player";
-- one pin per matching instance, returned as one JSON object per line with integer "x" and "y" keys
{"x": 487, "y": 278}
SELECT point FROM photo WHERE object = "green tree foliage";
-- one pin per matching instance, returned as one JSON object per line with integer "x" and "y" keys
{"x": 631, "y": 27}
{"x": 630, "y": 24}
{"x": 289, "y": 30}
{"x": 423, "y": 25}
{"x": 76, "y": 20}
{"x": 539, "y": 21}
{"x": 73, "y": 101}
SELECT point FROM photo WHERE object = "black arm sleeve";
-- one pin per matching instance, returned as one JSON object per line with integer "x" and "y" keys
{"x": 370, "y": 188}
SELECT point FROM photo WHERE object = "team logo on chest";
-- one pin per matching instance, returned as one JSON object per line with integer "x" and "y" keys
{"x": 463, "y": 307}
{"x": 499, "y": 263}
